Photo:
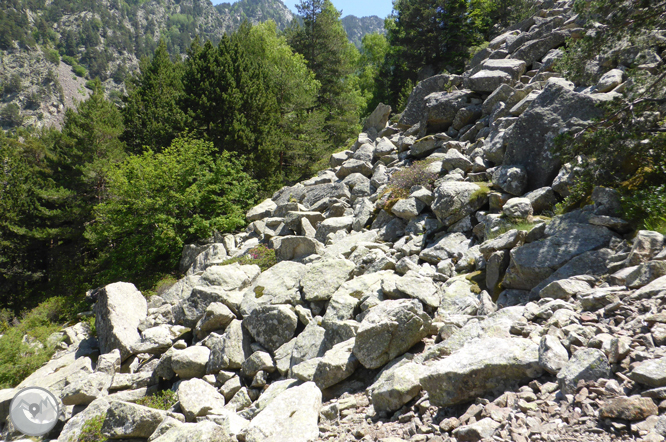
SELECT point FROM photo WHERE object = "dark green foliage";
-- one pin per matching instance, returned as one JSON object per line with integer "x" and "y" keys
{"x": 321, "y": 39}
{"x": 13, "y": 84}
{"x": 79, "y": 71}
{"x": 162, "y": 400}
{"x": 158, "y": 202}
{"x": 10, "y": 115}
{"x": 229, "y": 102}
{"x": 627, "y": 149}
{"x": 152, "y": 113}
{"x": 52, "y": 56}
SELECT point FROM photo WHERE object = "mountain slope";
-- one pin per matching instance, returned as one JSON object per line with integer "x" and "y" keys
{"x": 357, "y": 27}
{"x": 256, "y": 11}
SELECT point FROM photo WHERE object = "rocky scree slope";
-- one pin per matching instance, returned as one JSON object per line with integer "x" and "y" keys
{"x": 454, "y": 313}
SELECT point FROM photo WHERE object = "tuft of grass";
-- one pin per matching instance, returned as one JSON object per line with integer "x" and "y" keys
{"x": 92, "y": 430}
{"x": 522, "y": 225}
{"x": 162, "y": 400}
{"x": 260, "y": 255}
{"x": 484, "y": 190}
{"x": 161, "y": 285}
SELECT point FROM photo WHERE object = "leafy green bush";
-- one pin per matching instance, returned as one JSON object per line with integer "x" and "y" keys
{"x": 79, "y": 70}
{"x": 69, "y": 60}
{"x": 52, "y": 56}
{"x": 13, "y": 85}
{"x": 18, "y": 359}
{"x": 161, "y": 286}
{"x": 162, "y": 400}
{"x": 92, "y": 430}
{"x": 157, "y": 202}
{"x": 259, "y": 255}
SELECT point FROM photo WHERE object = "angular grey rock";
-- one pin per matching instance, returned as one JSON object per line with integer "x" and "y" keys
{"x": 216, "y": 317}
{"x": 587, "y": 364}
{"x": 588, "y": 263}
{"x": 74, "y": 426}
{"x": 610, "y": 80}
{"x": 389, "y": 330}
{"x": 455, "y": 160}
{"x": 455, "y": 200}
{"x": 646, "y": 245}
{"x": 204, "y": 431}
{"x": 190, "y": 253}
{"x": 336, "y": 365}
{"x": 119, "y": 310}
{"x": 314, "y": 194}
{"x": 125, "y": 420}
{"x": 564, "y": 289}
{"x": 324, "y": 277}
{"x": 651, "y": 373}
{"x": 280, "y": 284}
{"x": 333, "y": 225}
{"x": 416, "y": 102}
{"x": 419, "y": 287}
{"x": 213, "y": 255}
{"x": 505, "y": 241}
{"x": 354, "y": 166}
{"x": 384, "y": 147}
{"x": 309, "y": 344}
{"x": 450, "y": 245}
{"x": 364, "y": 153}
{"x": 481, "y": 430}
{"x": 272, "y": 325}
{"x": 293, "y": 219}
{"x": 511, "y": 179}
{"x": 481, "y": 366}
{"x": 230, "y": 350}
{"x": 542, "y": 199}
{"x": 652, "y": 289}
{"x": 552, "y": 354}
{"x": 466, "y": 115}
{"x": 259, "y": 361}
{"x": 487, "y": 81}
{"x": 529, "y": 141}
{"x": 295, "y": 248}
{"x": 86, "y": 389}
{"x": 190, "y": 310}
{"x": 515, "y": 68}
{"x": 338, "y": 158}
{"x": 198, "y": 398}
{"x": 230, "y": 277}
{"x": 190, "y": 362}
{"x": 496, "y": 266}
{"x": 408, "y": 208}
{"x": 517, "y": 209}
{"x": 291, "y": 417}
{"x": 261, "y": 211}
{"x": 378, "y": 118}
{"x": 441, "y": 109}
{"x": 363, "y": 211}
{"x": 396, "y": 385}
{"x": 536, "y": 261}
{"x": 424, "y": 146}
{"x": 535, "y": 50}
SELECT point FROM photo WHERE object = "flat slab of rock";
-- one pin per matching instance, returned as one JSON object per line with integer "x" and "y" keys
{"x": 397, "y": 385}
{"x": 261, "y": 211}
{"x": 323, "y": 278}
{"x": 291, "y": 417}
{"x": 205, "y": 431}
{"x": 479, "y": 367}
{"x": 119, "y": 310}
{"x": 294, "y": 248}
{"x": 125, "y": 420}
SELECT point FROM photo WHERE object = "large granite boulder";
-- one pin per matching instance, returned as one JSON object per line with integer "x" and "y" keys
{"x": 389, "y": 330}
{"x": 292, "y": 416}
{"x": 323, "y": 278}
{"x": 125, "y": 420}
{"x": 378, "y": 118}
{"x": 536, "y": 261}
{"x": 416, "y": 103}
{"x": 587, "y": 364}
{"x": 119, "y": 310}
{"x": 230, "y": 350}
{"x": 455, "y": 200}
{"x": 479, "y": 367}
{"x": 198, "y": 398}
{"x": 441, "y": 109}
{"x": 272, "y": 325}
{"x": 396, "y": 385}
{"x": 530, "y": 140}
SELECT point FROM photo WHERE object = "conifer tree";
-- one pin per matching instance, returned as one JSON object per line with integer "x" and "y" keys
{"x": 323, "y": 42}
{"x": 152, "y": 115}
{"x": 228, "y": 101}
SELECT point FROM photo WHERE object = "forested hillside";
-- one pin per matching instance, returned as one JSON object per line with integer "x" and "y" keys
{"x": 209, "y": 123}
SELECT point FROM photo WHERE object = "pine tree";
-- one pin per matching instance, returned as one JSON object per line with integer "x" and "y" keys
{"x": 228, "y": 101}
{"x": 152, "y": 115}
{"x": 323, "y": 42}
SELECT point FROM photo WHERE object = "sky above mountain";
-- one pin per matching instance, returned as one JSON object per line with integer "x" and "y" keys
{"x": 363, "y": 8}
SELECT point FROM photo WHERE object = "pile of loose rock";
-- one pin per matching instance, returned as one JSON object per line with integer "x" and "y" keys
{"x": 457, "y": 313}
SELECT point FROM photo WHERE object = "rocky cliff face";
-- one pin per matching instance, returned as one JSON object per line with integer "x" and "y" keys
{"x": 357, "y": 28}
{"x": 455, "y": 310}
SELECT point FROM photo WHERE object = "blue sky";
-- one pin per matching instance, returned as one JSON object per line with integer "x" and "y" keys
{"x": 359, "y": 8}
